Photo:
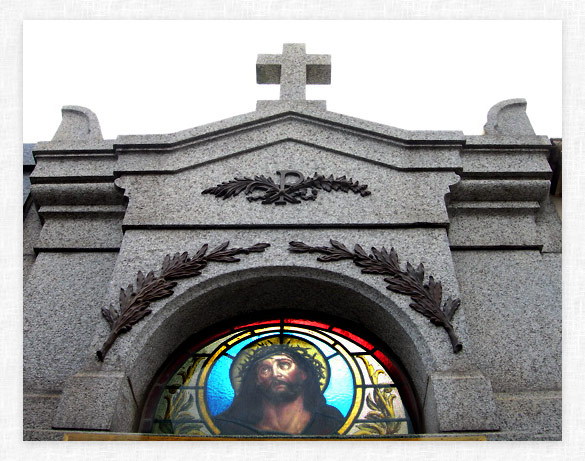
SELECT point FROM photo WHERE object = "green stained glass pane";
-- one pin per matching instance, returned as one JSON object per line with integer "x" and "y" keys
{"x": 162, "y": 405}
{"x": 179, "y": 405}
{"x": 163, "y": 427}
{"x": 187, "y": 373}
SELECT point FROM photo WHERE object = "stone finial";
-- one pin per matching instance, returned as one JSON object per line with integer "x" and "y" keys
{"x": 508, "y": 118}
{"x": 79, "y": 124}
{"x": 293, "y": 70}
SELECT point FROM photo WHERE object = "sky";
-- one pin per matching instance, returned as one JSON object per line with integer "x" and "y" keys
{"x": 151, "y": 77}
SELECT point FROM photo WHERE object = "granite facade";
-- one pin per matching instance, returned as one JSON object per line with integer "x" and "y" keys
{"x": 474, "y": 210}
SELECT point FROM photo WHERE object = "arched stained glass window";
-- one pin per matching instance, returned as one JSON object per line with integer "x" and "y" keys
{"x": 285, "y": 376}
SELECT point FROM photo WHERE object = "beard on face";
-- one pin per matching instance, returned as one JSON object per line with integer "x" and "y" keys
{"x": 288, "y": 393}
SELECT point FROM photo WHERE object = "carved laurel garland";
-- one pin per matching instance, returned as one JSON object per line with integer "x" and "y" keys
{"x": 134, "y": 302}
{"x": 304, "y": 189}
{"x": 426, "y": 297}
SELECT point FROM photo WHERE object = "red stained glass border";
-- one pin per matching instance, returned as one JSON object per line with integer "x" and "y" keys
{"x": 254, "y": 324}
{"x": 307, "y": 323}
{"x": 354, "y": 338}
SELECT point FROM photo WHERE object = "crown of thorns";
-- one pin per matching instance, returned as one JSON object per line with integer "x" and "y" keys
{"x": 263, "y": 350}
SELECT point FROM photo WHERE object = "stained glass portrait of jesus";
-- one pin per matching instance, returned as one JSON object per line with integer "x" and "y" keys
{"x": 282, "y": 377}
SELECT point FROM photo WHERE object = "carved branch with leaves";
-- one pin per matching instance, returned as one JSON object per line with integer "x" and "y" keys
{"x": 270, "y": 192}
{"x": 135, "y": 302}
{"x": 426, "y": 297}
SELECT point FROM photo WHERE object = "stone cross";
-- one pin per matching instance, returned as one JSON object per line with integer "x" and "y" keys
{"x": 293, "y": 70}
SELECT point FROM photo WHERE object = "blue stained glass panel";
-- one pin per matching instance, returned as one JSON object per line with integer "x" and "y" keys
{"x": 340, "y": 391}
{"x": 219, "y": 388}
{"x": 219, "y": 394}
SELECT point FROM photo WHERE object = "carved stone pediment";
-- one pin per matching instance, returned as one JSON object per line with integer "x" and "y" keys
{"x": 397, "y": 196}
{"x": 399, "y": 149}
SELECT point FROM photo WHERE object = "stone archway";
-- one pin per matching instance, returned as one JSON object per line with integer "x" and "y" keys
{"x": 279, "y": 288}
{"x": 142, "y": 352}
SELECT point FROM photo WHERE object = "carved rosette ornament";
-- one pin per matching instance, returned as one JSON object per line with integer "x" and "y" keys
{"x": 134, "y": 302}
{"x": 426, "y": 297}
{"x": 284, "y": 192}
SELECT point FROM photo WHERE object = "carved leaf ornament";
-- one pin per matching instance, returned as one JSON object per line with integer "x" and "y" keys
{"x": 134, "y": 302}
{"x": 426, "y": 297}
{"x": 268, "y": 191}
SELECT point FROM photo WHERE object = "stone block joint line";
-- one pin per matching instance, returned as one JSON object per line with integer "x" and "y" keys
{"x": 426, "y": 297}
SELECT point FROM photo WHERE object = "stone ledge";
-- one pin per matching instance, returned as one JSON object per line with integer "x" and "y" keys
{"x": 538, "y": 412}
{"x": 270, "y": 105}
{"x": 39, "y": 410}
{"x": 511, "y": 162}
{"x": 489, "y": 228}
{"x": 273, "y": 112}
{"x": 494, "y": 205}
{"x": 36, "y": 435}
{"x": 81, "y": 232}
{"x": 506, "y": 141}
{"x": 500, "y": 190}
{"x": 523, "y": 437}
{"x": 70, "y": 211}
{"x": 102, "y": 193}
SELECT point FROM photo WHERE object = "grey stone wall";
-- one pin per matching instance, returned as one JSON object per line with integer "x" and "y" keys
{"x": 473, "y": 209}
{"x": 31, "y": 230}
{"x": 62, "y": 299}
{"x": 514, "y": 316}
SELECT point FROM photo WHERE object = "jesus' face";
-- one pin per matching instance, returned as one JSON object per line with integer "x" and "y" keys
{"x": 280, "y": 378}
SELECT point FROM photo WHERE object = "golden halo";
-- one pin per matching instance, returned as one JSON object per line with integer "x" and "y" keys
{"x": 247, "y": 354}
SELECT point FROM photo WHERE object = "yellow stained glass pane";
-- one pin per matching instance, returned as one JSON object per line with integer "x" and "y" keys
{"x": 372, "y": 370}
{"x": 238, "y": 338}
{"x": 205, "y": 414}
{"x": 354, "y": 411}
{"x": 382, "y": 403}
{"x": 264, "y": 330}
{"x": 211, "y": 347}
